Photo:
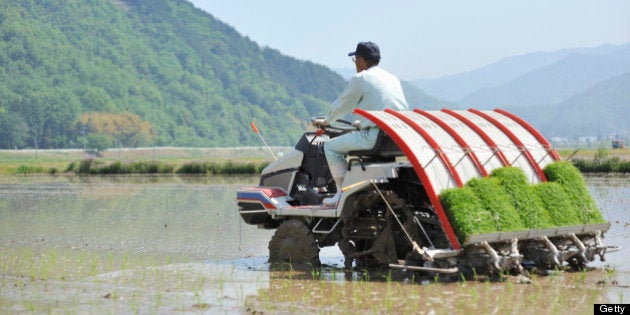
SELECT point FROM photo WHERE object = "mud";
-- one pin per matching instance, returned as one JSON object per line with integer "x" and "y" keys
{"x": 162, "y": 245}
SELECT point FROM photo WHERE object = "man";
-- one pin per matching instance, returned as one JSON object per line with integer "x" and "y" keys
{"x": 372, "y": 88}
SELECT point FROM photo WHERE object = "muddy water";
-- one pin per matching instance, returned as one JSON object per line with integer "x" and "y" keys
{"x": 176, "y": 245}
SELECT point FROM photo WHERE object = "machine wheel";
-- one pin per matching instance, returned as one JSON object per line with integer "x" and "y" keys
{"x": 293, "y": 243}
{"x": 370, "y": 235}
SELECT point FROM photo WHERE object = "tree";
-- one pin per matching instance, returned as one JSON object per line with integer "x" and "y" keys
{"x": 176, "y": 68}
{"x": 127, "y": 128}
{"x": 14, "y": 130}
{"x": 98, "y": 142}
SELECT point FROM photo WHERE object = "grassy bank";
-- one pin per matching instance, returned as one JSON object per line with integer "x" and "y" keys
{"x": 229, "y": 167}
{"x": 599, "y": 160}
{"x": 623, "y": 154}
{"x": 242, "y": 160}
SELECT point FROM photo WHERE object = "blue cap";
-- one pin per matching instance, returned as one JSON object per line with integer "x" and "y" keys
{"x": 367, "y": 50}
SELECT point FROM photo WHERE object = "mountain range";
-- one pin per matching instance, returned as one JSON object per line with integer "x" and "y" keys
{"x": 566, "y": 93}
{"x": 69, "y": 68}
{"x": 101, "y": 68}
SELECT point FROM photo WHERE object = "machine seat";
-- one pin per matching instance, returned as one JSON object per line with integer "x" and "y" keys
{"x": 384, "y": 150}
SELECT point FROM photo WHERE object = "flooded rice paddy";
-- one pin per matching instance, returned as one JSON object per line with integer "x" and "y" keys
{"x": 164, "y": 245}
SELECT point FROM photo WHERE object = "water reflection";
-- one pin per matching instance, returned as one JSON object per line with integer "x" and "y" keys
{"x": 164, "y": 244}
{"x": 195, "y": 217}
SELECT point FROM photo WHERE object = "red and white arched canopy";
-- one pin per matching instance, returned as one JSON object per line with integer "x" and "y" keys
{"x": 447, "y": 148}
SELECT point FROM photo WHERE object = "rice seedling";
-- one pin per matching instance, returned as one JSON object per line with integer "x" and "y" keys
{"x": 525, "y": 201}
{"x": 561, "y": 210}
{"x": 497, "y": 201}
{"x": 466, "y": 212}
{"x": 574, "y": 186}
{"x": 506, "y": 201}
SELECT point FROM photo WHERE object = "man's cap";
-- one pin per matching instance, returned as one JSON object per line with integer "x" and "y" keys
{"x": 367, "y": 50}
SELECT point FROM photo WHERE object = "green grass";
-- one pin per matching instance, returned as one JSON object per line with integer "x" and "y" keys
{"x": 582, "y": 153}
{"x": 600, "y": 160}
{"x": 227, "y": 167}
{"x": 602, "y": 165}
{"x": 99, "y": 167}
{"x": 137, "y": 161}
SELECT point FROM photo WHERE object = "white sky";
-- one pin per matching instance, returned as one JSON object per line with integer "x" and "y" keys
{"x": 424, "y": 38}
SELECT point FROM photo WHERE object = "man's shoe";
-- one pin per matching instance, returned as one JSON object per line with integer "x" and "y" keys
{"x": 332, "y": 201}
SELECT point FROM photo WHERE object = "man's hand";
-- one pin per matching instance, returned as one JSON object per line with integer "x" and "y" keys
{"x": 320, "y": 123}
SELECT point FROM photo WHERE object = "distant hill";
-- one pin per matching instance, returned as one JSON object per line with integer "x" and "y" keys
{"x": 603, "y": 108}
{"x": 456, "y": 87}
{"x": 567, "y": 93}
{"x": 553, "y": 83}
{"x": 162, "y": 72}
{"x": 416, "y": 98}
{"x": 600, "y": 111}
{"x": 192, "y": 79}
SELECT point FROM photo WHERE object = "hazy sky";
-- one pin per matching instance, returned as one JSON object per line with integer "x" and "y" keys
{"x": 420, "y": 39}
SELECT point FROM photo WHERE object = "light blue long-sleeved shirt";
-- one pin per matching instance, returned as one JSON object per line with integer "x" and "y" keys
{"x": 371, "y": 89}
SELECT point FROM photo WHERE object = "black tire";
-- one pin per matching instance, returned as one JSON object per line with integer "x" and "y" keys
{"x": 293, "y": 243}
{"x": 388, "y": 245}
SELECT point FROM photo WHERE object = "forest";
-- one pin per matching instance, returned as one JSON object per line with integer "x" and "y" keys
{"x": 137, "y": 73}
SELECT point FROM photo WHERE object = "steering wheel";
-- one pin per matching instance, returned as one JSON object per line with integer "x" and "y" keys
{"x": 339, "y": 126}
